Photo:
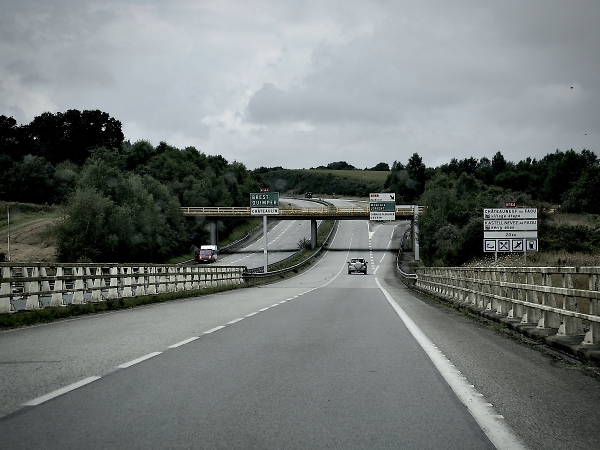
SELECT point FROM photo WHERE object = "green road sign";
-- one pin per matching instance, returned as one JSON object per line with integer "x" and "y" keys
{"x": 382, "y": 206}
{"x": 264, "y": 200}
{"x": 264, "y": 203}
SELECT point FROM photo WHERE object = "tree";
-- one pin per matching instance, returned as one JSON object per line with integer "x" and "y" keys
{"x": 340, "y": 165}
{"x": 381, "y": 167}
{"x": 498, "y": 163}
{"x": 10, "y": 137}
{"x": 71, "y": 135}
{"x": 584, "y": 196}
{"x": 31, "y": 181}
{"x": 120, "y": 217}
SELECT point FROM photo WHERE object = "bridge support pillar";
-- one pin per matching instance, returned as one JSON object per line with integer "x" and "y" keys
{"x": 313, "y": 234}
{"x": 213, "y": 232}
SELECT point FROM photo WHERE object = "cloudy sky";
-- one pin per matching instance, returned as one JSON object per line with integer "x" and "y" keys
{"x": 302, "y": 83}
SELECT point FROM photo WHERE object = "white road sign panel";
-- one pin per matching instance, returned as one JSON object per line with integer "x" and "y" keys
{"x": 508, "y": 225}
{"x": 489, "y": 245}
{"x": 503, "y": 245}
{"x": 510, "y": 245}
{"x": 509, "y": 213}
{"x": 382, "y": 215}
{"x": 264, "y": 211}
{"x": 531, "y": 245}
{"x": 510, "y": 234}
{"x": 516, "y": 245}
{"x": 382, "y": 197}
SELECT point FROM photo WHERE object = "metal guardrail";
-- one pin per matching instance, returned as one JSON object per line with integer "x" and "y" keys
{"x": 29, "y": 286}
{"x": 565, "y": 300}
{"x": 412, "y": 277}
{"x": 293, "y": 211}
{"x": 278, "y": 263}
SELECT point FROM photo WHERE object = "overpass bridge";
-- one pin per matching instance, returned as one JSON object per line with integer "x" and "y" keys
{"x": 290, "y": 212}
{"x": 287, "y": 211}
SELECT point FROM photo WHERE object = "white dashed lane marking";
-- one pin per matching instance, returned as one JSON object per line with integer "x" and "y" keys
{"x": 64, "y": 390}
{"x": 71, "y": 387}
{"x": 179, "y": 344}
{"x": 212, "y": 330}
{"x": 138, "y": 360}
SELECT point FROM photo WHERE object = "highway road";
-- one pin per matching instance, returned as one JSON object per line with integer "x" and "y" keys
{"x": 322, "y": 360}
{"x": 282, "y": 241}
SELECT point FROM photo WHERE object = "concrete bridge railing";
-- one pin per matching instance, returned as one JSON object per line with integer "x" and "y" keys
{"x": 29, "y": 286}
{"x": 564, "y": 301}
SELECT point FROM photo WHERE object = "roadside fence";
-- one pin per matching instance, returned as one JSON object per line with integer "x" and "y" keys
{"x": 29, "y": 286}
{"x": 564, "y": 301}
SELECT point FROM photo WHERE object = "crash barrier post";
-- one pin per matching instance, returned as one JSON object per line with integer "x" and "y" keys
{"x": 565, "y": 301}
{"x": 28, "y": 286}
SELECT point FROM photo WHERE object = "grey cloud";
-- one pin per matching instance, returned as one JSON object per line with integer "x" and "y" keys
{"x": 28, "y": 72}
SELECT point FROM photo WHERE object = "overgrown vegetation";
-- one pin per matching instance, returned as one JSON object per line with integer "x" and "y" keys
{"x": 122, "y": 199}
{"x": 452, "y": 229}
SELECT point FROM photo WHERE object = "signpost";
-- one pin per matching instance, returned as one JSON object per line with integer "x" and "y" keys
{"x": 382, "y": 206}
{"x": 510, "y": 229}
{"x": 263, "y": 204}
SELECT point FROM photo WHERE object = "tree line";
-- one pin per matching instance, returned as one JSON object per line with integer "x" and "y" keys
{"x": 121, "y": 199}
{"x": 456, "y": 193}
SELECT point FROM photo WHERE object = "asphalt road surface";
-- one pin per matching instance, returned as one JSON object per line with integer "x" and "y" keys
{"x": 282, "y": 241}
{"x": 322, "y": 360}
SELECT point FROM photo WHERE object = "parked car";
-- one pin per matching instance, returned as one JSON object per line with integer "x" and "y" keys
{"x": 357, "y": 265}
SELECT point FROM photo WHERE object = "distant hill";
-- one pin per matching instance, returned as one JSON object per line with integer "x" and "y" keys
{"x": 359, "y": 183}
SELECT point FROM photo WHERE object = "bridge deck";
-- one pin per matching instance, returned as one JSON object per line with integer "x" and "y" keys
{"x": 296, "y": 212}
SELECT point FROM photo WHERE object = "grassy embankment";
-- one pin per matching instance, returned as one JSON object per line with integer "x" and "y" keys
{"x": 368, "y": 175}
{"x": 32, "y": 236}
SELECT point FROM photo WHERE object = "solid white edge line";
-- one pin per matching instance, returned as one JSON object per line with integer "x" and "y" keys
{"x": 212, "y": 330}
{"x": 495, "y": 427}
{"x": 187, "y": 341}
{"x": 235, "y": 321}
{"x": 138, "y": 360}
{"x": 64, "y": 390}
